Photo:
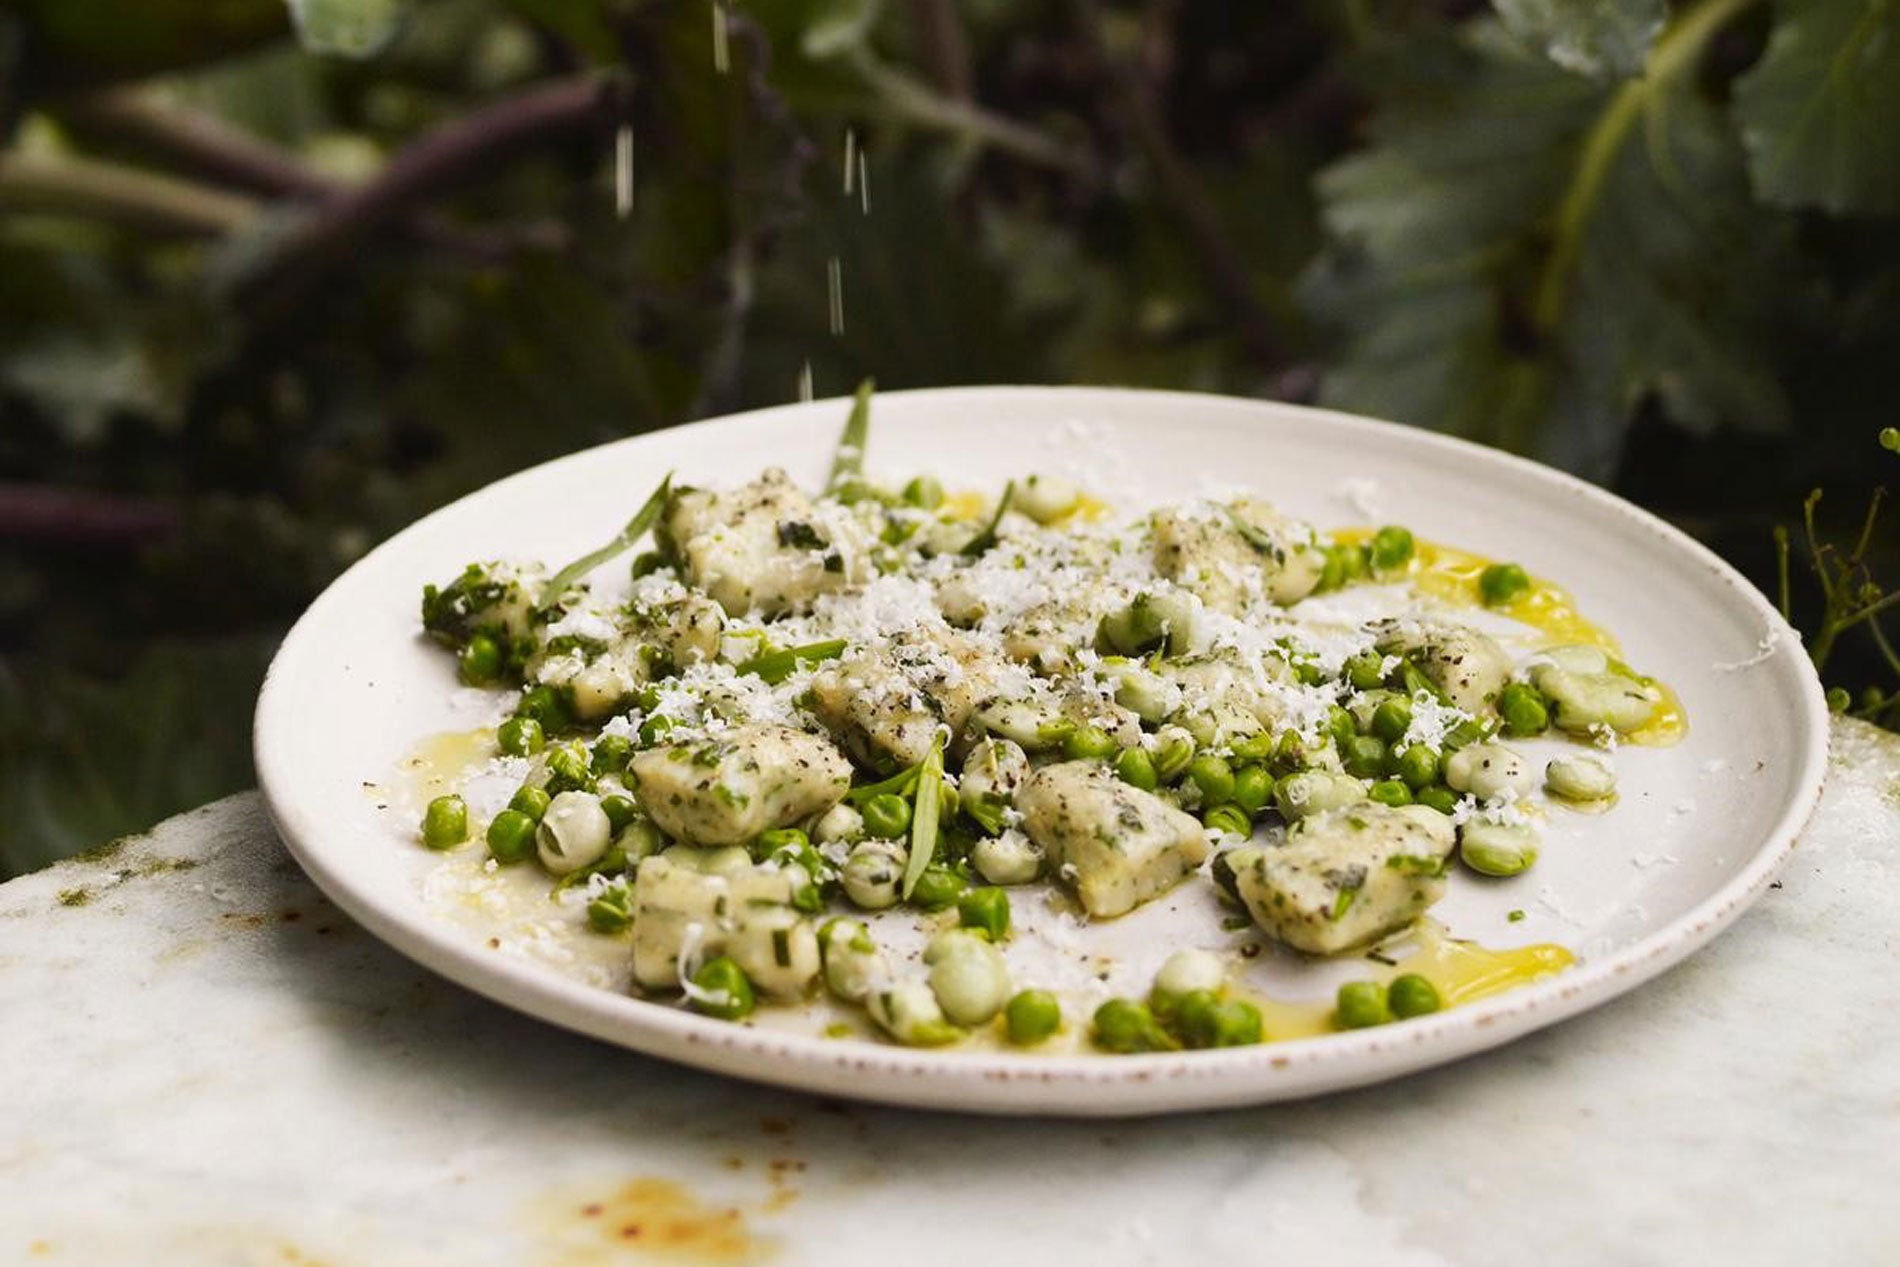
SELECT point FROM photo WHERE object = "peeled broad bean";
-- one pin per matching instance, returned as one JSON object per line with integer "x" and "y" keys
{"x": 574, "y": 833}
{"x": 908, "y": 1011}
{"x": 853, "y": 964}
{"x": 1315, "y": 792}
{"x": 1008, "y": 858}
{"x": 871, "y": 875}
{"x": 968, "y": 976}
{"x": 1046, "y": 498}
{"x": 1497, "y": 849}
{"x": 1486, "y": 770}
{"x": 1580, "y": 778}
{"x": 1186, "y": 971}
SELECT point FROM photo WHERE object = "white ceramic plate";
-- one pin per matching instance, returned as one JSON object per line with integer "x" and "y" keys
{"x": 1697, "y": 835}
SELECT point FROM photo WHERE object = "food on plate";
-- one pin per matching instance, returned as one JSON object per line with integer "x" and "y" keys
{"x": 804, "y": 714}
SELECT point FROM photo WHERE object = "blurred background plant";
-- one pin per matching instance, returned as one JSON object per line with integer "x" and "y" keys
{"x": 277, "y": 278}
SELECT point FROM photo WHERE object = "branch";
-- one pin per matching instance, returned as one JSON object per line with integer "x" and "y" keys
{"x": 209, "y": 147}
{"x": 942, "y": 46}
{"x": 917, "y": 104}
{"x": 198, "y": 143}
{"x": 123, "y": 195}
{"x": 38, "y": 512}
{"x": 457, "y": 154}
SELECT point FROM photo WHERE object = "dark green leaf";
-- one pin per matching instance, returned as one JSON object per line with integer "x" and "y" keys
{"x": 1604, "y": 39}
{"x": 1820, "y": 114}
{"x": 1524, "y": 257}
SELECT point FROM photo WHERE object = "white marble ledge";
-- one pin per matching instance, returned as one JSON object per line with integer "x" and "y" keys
{"x": 205, "y": 1064}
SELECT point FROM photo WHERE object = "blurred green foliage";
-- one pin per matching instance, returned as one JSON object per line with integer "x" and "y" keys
{"x": 263, "y": 302}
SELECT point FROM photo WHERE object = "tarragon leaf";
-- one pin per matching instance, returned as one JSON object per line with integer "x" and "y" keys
{"x": 637, "y": 527}
{"x": 1604, "y": 39}
{"x": 1524, "y": 256}
{"x": 358, "y": 29}
{"x": 847, "y": 463}
{"x": 923, "y": 818}
{"x": 1820, "y": 113}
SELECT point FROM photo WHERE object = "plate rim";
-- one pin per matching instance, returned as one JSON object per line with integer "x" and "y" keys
{"x": 1026, "y": 1083}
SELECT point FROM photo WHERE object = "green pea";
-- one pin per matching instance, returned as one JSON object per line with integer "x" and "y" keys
{"x": 1230, "y": 819}
{"x": 1352, "y": 562}
{"x": 1137, "y": 769}
{"x": 511, "y": 836}
{"x": 1364, "y": 757}
{"x": 1366, "y": 671}
{"x": 1502, "y": 582}
{"x": 1125, "y": 1026}
{"x": 1213, "y": 776}
{"x": 654, "y": 729}
{"x": 1203, "y": 1020}
{"x": 1253, "y": 788}
{"x": 620, "y": 811}
{"x": 530, "y": 800}
{"x": 1391, "y": 547}
{"x": 520, "y": 737}
{"x": 1088, "y": 743}
{"x": 1412, "y": 995}
{"x": 569, "y": 771}
{"x": 546, "y": 705}
{"x": 1418, "y": 765}
{"x": 611, "y": 753}
{"x": 985, "y": 909}
{"x": 1332, "y": 571}
{"x": 937, "y": 888}
{"x": 723, "y": 990}
{"x": 482, "y": 659}
{"x": 886, "y": 815}
{"x": 1361, "y": 1004}
{"x": 1390, "y": 792}
{"x": 924, "y": 492}
{"x": 1340, "y": 726}
{"x": 1525, "y": 710}
{"x": 1437, "y": 796}
{"x": 612, "y": 910}
{"x": 1032, "y": 1016}
{"x": 1391, "y": 719}
{"x": 1257, "y": 747}
{"x": 1173, "y": 755}
{"x": 445, "y": 822}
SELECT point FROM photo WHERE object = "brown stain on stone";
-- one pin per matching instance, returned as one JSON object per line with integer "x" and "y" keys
{"x": 652, "y": 1220}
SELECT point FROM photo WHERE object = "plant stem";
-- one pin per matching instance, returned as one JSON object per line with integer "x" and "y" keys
{"x": 458, "y": 153}
{"x": 43, "y": 513}
{"x": 917, "y": 104}
{"x": 1675, "y": 52}
{"x": 199, "y": 143}
{"x": 944, "y": 49}
{"x": 123, "y": 195}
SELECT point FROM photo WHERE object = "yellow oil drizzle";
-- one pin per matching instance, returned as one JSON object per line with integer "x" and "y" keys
{"x": 1463, "y": 971}
{"x": 443, "y": 763}
{"x": 974, "y": 507}
{"x": 1451, "y": 575}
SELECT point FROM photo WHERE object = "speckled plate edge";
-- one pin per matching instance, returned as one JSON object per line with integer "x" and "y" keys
{"x": 1007, "y": 1083}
